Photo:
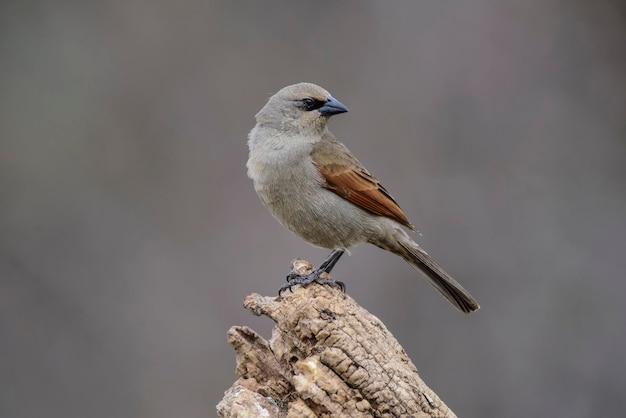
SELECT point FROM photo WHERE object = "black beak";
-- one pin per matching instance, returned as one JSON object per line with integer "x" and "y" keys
{"x": 332, "y": 107}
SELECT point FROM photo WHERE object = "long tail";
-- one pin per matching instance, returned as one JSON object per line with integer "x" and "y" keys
{"x": 441, "y": 280}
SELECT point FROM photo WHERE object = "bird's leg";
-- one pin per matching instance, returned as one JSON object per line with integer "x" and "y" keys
{"x": 326, "y": 266}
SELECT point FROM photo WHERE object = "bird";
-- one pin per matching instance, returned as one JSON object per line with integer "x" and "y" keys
{"x": 313, "y": 185}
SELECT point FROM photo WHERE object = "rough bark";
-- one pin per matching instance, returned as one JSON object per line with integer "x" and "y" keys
{"x": 327, "y": 357}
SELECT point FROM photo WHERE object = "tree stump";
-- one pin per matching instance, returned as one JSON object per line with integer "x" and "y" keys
{"x": 327, "y": 357}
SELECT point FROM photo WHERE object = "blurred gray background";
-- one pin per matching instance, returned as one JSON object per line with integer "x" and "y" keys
{"x": 130, "y": 234}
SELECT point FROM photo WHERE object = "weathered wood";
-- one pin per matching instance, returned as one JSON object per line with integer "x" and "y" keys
{"x": 327, "y": 357}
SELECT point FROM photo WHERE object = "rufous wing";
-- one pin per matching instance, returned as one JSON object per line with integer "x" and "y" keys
{"x": 346, "y": 177}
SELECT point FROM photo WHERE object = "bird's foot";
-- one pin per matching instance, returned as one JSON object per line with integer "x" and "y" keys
{"x": 316, "y": 276}
{"x": 301, "y": 268}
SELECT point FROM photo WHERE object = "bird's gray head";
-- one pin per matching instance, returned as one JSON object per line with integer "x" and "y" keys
{"x": 302, "y": 106}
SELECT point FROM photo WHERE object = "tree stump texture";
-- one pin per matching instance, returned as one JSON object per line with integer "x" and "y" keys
{"x": 327, "y": 357}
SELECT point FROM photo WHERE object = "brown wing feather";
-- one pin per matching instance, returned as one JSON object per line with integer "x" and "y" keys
{"x": 346, "y": 177}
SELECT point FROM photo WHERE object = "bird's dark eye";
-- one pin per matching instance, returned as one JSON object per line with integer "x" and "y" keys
{"x": 309, "y": 104}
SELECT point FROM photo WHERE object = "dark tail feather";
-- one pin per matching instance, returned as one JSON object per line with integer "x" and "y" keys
{"x": 441, "y": 280}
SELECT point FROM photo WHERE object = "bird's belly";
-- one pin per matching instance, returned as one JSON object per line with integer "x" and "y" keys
{"x": 317, "y": 215}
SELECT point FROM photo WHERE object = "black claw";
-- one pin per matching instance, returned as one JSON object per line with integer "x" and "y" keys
{"x": 284, "y": 287}
{"x": 295, "y": 279}
{"x": 327, "y": 265}
{"x": 331, "y": 282}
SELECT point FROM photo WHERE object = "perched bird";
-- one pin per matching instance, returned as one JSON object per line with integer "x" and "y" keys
{"x": 315, "y": 187}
